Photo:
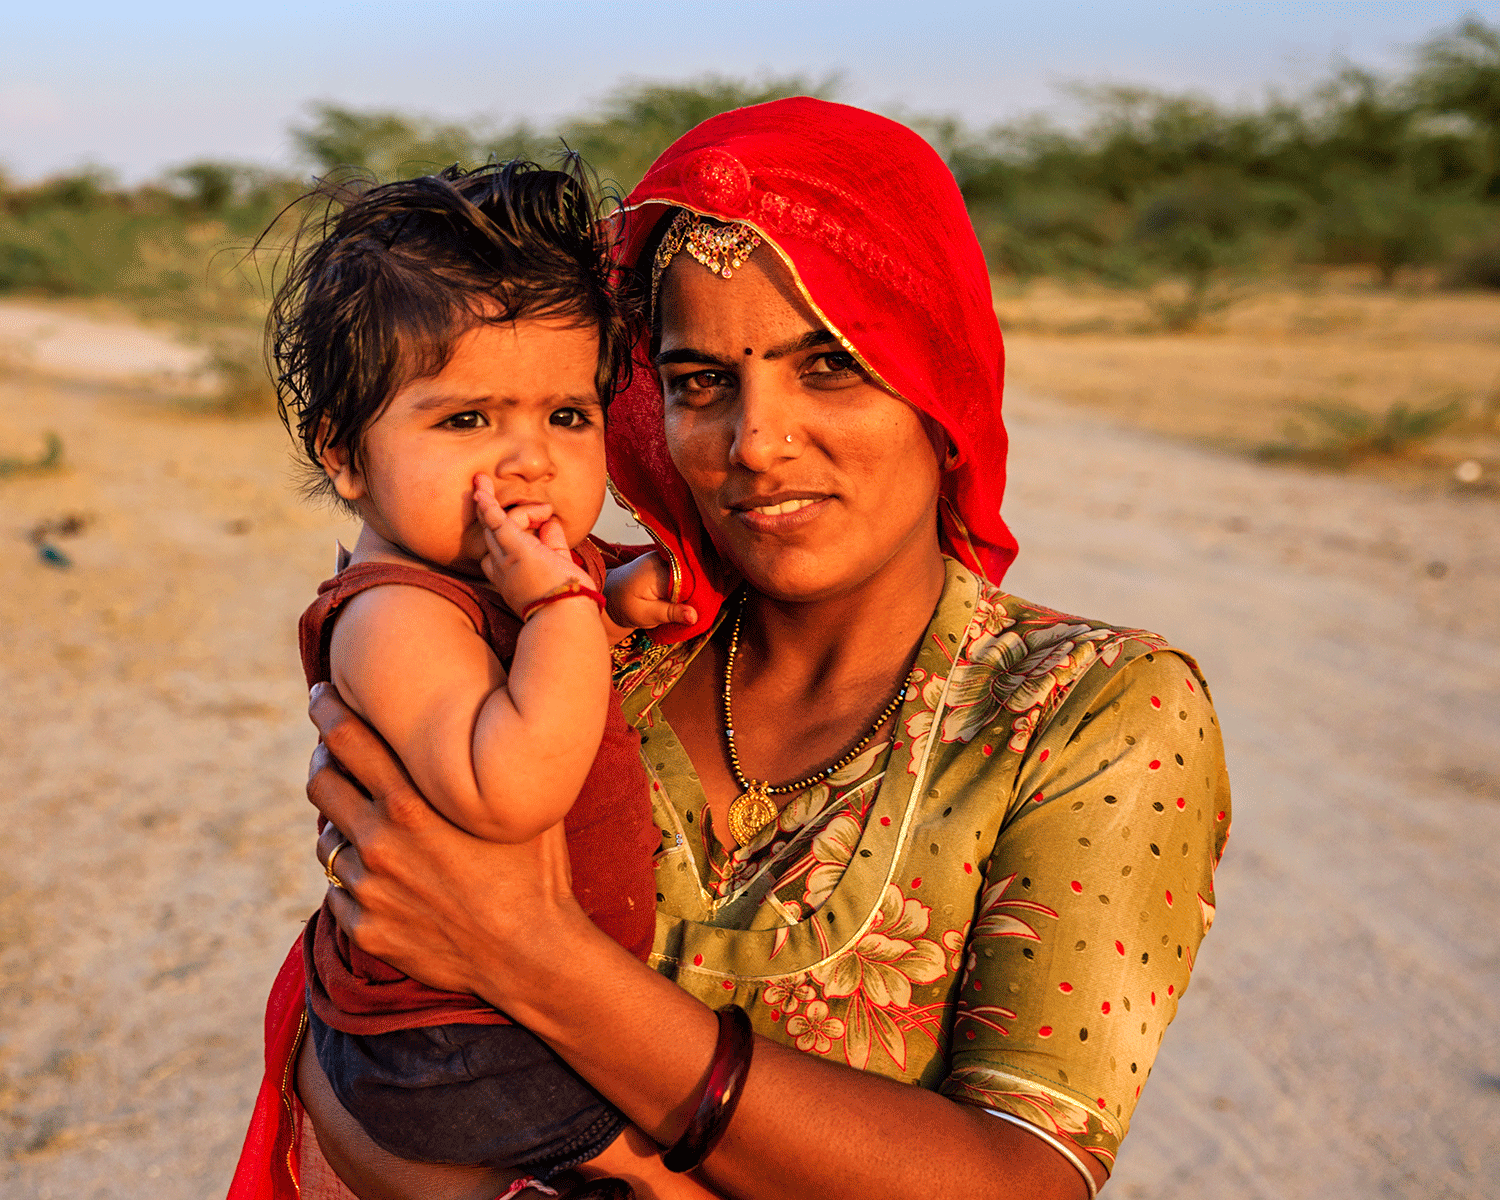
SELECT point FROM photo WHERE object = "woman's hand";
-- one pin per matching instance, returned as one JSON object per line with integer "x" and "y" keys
{"x": 419, "y": 892}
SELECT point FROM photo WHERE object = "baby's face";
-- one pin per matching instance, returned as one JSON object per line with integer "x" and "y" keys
{"x": 516, "y": 402}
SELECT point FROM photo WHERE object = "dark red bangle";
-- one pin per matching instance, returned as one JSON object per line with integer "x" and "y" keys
{"x": 726, "y": 1078}
{"x": 564, "y": 591}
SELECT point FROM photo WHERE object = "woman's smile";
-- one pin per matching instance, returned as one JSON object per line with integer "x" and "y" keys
{"x": 781, "y": 510}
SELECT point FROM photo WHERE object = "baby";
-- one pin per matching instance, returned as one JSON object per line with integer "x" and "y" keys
{"x": 446, "y": 350}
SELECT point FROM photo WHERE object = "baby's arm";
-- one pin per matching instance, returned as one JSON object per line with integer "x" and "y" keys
{"x": 554, "y": 704}
{"x": 503, "y": 758}
{"x": 639, "y": 595}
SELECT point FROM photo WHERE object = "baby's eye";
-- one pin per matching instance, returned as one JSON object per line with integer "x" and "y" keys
{"x": 569, "y": 418}
{"x": 465, "y": 420}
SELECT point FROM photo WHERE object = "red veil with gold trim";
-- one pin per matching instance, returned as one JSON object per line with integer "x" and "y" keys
{"x": 870, "y": 221}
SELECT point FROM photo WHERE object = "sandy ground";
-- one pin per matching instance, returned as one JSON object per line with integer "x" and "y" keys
{"x": 1256, "y": 375}
{"x": 155, "y": 854}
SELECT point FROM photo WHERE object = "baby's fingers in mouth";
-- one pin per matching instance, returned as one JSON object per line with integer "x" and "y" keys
{"x": 529, "y": 515}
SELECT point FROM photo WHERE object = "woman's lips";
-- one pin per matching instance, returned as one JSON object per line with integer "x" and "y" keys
{"x": 778, "y": 512}
{"x": 786, "y": 506}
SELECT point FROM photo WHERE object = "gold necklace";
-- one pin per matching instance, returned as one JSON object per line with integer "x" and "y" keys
{"x": 752, "y": 810}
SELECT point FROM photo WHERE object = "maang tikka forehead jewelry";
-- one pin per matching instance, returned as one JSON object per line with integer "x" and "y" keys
{"x": 723, "y": 249}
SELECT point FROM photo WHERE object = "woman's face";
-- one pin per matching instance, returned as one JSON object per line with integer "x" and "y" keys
{"x": 811, "y": 479}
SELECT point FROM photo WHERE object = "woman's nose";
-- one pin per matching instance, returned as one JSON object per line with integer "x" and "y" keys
{"x": 763, "y": 433}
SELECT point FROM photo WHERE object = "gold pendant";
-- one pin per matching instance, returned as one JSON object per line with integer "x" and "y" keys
{"x": 750, "y": 813}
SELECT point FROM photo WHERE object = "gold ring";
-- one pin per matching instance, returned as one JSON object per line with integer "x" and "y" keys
{"x": 328, "y": 867}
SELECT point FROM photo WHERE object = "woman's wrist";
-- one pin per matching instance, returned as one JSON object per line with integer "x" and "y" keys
{"x": 519, "y": 968}
{"x": 721, "y": 1094}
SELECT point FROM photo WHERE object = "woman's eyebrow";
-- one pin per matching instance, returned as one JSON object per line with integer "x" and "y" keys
{"x": 813, "y": 337}
{"x": 689, "y": 355}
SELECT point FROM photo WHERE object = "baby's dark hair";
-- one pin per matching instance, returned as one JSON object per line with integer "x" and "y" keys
{"x": 378, "y": 290}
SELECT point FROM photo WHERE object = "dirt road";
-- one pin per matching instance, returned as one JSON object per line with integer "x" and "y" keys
{"x": 1338, "y": 1040}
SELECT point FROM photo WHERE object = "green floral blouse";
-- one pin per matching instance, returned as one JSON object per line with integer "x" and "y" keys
{"x": 1002, "y": 903}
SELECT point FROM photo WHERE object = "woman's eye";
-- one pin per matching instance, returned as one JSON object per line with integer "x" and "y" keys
{"x": 699, "y": 383}
{"x": 835, "y": 362}
{"x": 703, "y": 381}
{"x": 464, "y": 420}
{"x": 569, "y": 418}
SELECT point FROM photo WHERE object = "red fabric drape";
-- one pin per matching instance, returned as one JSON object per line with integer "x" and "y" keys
{"x": 267, "y": 1166}
{"x": 872, "y": 222}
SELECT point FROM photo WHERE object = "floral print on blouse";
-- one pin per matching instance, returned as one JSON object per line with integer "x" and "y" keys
{"x": 1002, "y": 903}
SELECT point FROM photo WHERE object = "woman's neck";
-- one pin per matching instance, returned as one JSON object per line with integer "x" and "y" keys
{"x": 865, "y": 637}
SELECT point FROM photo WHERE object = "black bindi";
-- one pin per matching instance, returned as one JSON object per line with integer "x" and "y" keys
{"x": 748, "y": 352}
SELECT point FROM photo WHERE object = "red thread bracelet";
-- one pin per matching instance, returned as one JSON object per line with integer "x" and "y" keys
{"x": 726, "y": 1078}
{"x": 564, "y": 591}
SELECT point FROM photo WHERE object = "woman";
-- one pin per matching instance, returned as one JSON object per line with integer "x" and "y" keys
{"x": 922, "y": 831}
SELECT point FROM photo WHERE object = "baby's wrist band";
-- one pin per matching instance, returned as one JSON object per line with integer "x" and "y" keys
{"x": 726, "y": 1079}
{"x": 565, "y": 591}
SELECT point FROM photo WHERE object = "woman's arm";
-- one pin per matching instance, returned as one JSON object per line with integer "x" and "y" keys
{"x": 500, "y": 921}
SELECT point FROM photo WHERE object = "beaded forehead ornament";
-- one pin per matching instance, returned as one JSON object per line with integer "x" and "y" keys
{"x": 723, "y": 249}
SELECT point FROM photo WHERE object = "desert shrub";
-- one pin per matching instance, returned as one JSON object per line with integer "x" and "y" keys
{"x": 1361, "y": 168}
{"x": 1476, "y": 266}
{"x": 1173, "y": 192}
{"x": 50, "y": 459}
{"x": 637, "y": 121}
{"x": 387, "y": 145}
{"x": 1343, "y": 434}
{"x": 1381, "y": 221}
{"x": 1458, "y": 73}
{"x": 1062, "y": 232}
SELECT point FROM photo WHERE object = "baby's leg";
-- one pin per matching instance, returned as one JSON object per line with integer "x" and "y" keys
{"x": 373, "y": 1174}
{"x": 486, "y": 1095}
{"x": 636, "y": 1159}
{"x": 370, "y": 1172}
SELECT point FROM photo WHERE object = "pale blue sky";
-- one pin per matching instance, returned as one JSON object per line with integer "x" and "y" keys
{"x": 140, "y": 87}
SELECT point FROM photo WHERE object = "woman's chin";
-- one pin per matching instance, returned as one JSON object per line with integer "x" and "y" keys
{"x": 797, "y": 578}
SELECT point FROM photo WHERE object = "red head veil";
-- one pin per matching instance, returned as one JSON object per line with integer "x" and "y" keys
{"x": 871, "y": 222}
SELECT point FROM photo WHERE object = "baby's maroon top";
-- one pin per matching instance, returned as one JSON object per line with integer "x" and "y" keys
{"x": 610, "y": 831}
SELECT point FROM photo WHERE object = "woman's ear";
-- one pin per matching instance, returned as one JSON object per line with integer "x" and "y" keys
{"x": 952, "y": 457}
{"x": 347, "y": 479}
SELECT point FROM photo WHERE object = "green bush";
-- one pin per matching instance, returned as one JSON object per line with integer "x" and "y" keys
{"x": 1345, "y": 434}
{"x": 637, "y": 121}
{"x": 1177, "y": 193}
{"x": 1477, "y": 266}
{"x": 1380, "y": 221}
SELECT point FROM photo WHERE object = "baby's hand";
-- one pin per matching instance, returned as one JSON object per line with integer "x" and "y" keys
{"x": 523, "y": 565}
{"x": 638, "y": 596}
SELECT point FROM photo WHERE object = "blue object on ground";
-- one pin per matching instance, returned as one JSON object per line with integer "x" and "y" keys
{"x": 53, "y": 557}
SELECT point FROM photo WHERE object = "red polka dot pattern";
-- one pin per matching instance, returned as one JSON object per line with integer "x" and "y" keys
{"x": 997, "y": 928}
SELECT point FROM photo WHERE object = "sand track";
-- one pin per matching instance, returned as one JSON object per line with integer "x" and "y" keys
{"x": 155, "y": 855}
